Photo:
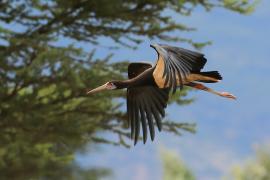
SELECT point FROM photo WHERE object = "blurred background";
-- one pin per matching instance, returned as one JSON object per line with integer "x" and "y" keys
{"x": 53, "y": 51}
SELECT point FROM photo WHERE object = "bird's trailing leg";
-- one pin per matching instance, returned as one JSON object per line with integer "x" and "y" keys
{"x": 204, "y": 88}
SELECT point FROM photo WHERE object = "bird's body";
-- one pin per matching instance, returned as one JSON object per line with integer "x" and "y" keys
{"x": 190, "y": 78}
{"x": 148, "y": 86}
{"x": 147, "y": 78}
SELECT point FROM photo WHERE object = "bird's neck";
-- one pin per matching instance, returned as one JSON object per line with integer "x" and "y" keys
{"x": 142, "y": 79}
{"x": 127, "y": 83}
{"x": 122, "y": 84}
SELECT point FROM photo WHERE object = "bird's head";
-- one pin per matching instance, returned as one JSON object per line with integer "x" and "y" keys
{"x": 107, "y": 86}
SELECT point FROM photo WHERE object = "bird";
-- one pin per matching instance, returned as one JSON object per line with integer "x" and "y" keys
{"x": 148, "y": 87}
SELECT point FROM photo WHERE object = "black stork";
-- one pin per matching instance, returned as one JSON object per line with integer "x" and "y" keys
{"x": 148, "y": 86}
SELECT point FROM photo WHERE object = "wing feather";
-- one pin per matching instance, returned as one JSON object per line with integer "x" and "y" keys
{"x": 130, "y": 115}
{"x": 146, "y": 105}
{"x": 136, "y": 120}
{"x": 156, "y": 117}
{"x": 143, "y": 121}
{"x": 178, "y": 64}
{"x": 136, "y": 68}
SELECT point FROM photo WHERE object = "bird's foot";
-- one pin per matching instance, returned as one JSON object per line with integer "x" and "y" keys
{"x": 227, "y": 95}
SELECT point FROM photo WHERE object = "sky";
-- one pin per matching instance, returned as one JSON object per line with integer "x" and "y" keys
{"x": 227, "y": 131}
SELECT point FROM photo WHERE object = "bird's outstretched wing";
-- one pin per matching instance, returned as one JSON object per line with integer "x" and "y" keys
{"x": 145, "y": 106}
{"x": 174, "y": 64}
{"x": 136, "y": 68}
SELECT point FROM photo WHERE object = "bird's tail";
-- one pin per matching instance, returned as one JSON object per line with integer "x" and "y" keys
{"x": 210, "y": 77}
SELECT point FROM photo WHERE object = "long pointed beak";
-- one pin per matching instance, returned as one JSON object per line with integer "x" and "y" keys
{"x": 98, "y": 89}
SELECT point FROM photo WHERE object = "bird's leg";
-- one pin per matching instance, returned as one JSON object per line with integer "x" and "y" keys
{"x": 204, "y": 88}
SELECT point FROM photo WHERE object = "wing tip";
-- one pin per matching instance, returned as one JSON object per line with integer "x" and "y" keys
{"x": 159, "y": 128}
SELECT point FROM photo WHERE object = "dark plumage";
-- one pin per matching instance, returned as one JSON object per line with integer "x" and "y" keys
{"x": 148, "y": 86}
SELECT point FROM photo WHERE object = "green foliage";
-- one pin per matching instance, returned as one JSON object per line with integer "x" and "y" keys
{"x": 242, "y": 6}
{"x": 173, "y": 167}
{"x": 257, "y": 168}
{"x": 180, "y": 97}
{"x": 45, "y": 115}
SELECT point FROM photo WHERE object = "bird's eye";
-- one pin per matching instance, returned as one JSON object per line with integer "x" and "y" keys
{"x": 110, "y": 85}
